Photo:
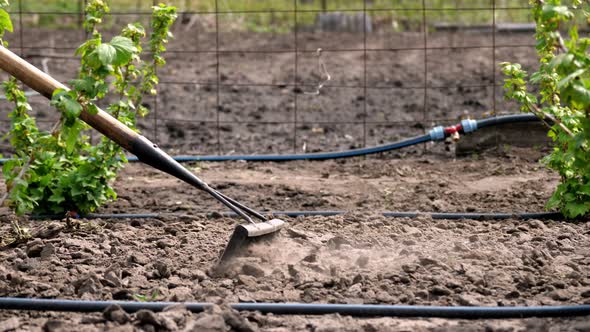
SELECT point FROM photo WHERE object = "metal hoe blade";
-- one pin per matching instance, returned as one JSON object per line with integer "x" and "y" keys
{"x": 246, "y": 234}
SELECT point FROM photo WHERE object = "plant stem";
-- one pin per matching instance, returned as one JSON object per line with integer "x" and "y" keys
{"x": 539, "y": 113}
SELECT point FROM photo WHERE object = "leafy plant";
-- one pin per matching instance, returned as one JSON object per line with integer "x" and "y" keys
{"x": 60, "y": 170}
{"x": 563, "y": 101}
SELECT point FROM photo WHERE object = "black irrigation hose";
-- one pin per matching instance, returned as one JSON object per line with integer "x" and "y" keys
{"x": 433, "y": 215}
{"x": 294, "y": 214}
{"x": 478, "y": 215}
{"x": 308, "y": 156}
{"x": 98, "y": 215}
{"x": 7, "y": 303}
{"x": 437, "y": 133}
{"x": 513, "y": 118}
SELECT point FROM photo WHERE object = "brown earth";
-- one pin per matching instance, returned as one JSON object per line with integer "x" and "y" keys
{"x": 359, "y": 257}
{"x": 263, "y": 103}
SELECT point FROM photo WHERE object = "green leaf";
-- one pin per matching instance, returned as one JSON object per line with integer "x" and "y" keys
{"x": 72, "y": 107}
{"x": 551, "y": 11}
{"x": 57, "y": 197}
{"x": 92, "y": 109}
{"x": 561, "y": 60}
{"x": 124, "y": 50}
{"x": 85, "y": 85}
{"x": 87, "y": 46}
{"x": 576, "y": 209}
{"x": 566, "y": 81}
{"x": 574, "y": 34}
{"x": 134, "y": 29}
{"x": 106, "y": 54}
{"x": 65, "y": 101}
{"x": 5, "y": 22}
{"x": 580, "y": 96}
{"x": 71, "y": 136}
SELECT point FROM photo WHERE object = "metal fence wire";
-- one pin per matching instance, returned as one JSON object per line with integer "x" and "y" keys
{"x": 285, "y": 76}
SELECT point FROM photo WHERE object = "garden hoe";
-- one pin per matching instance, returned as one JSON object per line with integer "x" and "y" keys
{"x": 148, "y": 153}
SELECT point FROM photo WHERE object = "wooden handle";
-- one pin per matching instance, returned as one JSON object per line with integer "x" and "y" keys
{"x": 45, "y": 85}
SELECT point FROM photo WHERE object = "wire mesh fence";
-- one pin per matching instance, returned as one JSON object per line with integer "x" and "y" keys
{"x": 300, "y": 75}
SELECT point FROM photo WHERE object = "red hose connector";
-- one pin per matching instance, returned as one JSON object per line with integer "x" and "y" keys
{"x": 453, "y": 129}
{"x": 453, "y": 132}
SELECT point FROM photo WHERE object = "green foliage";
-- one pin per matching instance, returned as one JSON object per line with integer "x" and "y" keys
{"x": 60, "y": 171}
{"x": 147, "y": 298}
{"x": 5, "y": 21}
{"x": 563, "y": 80}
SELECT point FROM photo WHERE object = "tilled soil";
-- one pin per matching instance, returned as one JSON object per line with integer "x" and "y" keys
{"x": 360, "y": 257}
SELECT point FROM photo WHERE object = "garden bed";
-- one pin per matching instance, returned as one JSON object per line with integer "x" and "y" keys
{"x": 357, "y": 258}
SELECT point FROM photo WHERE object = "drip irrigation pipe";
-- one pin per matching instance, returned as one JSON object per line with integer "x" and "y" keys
{"x": 308, "y": 156}
{"x": 294, "y": 214}
{"x": 99, "y": 215}
{"x": 504, "y": 119}
{"x": 7, "y": 303}
{"x": 436, "y": 134}
{"x": 433, "y": 215}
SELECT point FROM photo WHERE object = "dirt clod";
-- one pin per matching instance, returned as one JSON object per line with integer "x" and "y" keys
{"x": 147, "y": 317}
{"x": 34, "y": 248}
{"x": 47, "y": 251}
{"x": 10, "y": 324}
{"x": 115, "y": 313}
{"x": 112, "y": 278}
{"x": 468, "y": 300}
{"x": 559, "y": 295}
{"x": 337, "y": 242}
{"x": 440, "y": 291}
{"x": 207, "y": 322}
{"x": 88, "y": 284}
{"x": 162, "y": 269}
{"x": 237, "y": 322}
{"x": 56, "y": 326}
{"x": 246, "y": 280}
{"x": 138, "y": 258}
